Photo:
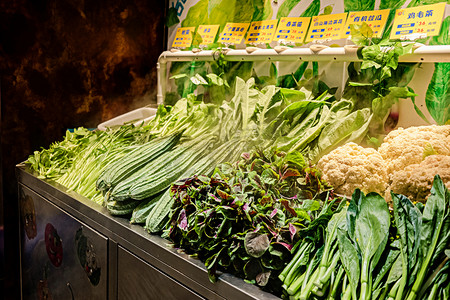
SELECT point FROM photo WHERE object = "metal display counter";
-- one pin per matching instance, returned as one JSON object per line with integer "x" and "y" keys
{"x": 104, "y": 257}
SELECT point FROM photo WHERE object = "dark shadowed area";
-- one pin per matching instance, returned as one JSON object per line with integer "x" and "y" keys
{"x": 64, "y": 64}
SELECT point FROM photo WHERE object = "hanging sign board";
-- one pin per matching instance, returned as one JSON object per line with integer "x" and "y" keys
{"x": 326, "y": 27}
{"x": 292, "y": 30}
{"x": 208, "y": 34}
{"x": 233, "y": 33}
{"x": 376, "y": 19}
{"x": 183, "y": 37}
{"x": 423, "y": 20}
{"x": 261, "y": 32}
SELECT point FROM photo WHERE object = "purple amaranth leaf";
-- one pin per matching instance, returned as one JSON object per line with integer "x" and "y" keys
{"x": 288, "y": 208}
{"x": 273, "y": 213}
{"x": 246, "y": 207}
{"x": 182, "y": 220}
{"x": 223, "y": 195}
{"x": 292, "y": 231}
{"x": 245, "y": 155}
{"x": 214, "y": 197}
{"x": 286, "y": 245}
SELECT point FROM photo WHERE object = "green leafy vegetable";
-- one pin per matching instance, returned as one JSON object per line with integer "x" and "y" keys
{"x": 172, "y": 17}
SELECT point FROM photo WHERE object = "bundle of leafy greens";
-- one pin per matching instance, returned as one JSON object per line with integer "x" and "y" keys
{"x": 53, "y": 162}
{"x": 379, "y": 81}
{"x": 248, "y": 216}
{"x": 103, "y": 148}
{"x": 373, "y": 253}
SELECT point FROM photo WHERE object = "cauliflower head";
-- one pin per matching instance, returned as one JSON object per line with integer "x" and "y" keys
{"x": 416, "y": 180}
{"x": 351, "y": 166}
{"x": 404, "y": 147}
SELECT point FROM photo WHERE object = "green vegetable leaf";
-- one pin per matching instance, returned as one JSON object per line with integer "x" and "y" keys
{"x": 172, "y": 17}
{"x": 216, "y": 80}
{"x": 263, "y": 10}
{"x": 437, "y": 97}
{"x": 435, "y": 232}
{"x": 350, "y": 260}
{"x": 368, "y": 218}
{"x": 286, "y": 7}
{"x": 358, "y": 5}
{"x": 295, "y": 158}
{"x": 198, "y": 79}
{"x": 313, "y": 9}
{"x": 178, "y": 76}
{"x": 361, "y": 34}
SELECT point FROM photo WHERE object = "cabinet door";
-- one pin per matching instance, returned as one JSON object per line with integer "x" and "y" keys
{"x": 139, "y": 280}
{"x": 61, "y": 258}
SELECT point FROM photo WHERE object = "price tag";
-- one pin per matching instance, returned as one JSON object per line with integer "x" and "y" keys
{"x": 326, "y": 27}
{"x": 292, "y": 29}
{"x": 208, "y": 34}
{"x": 376, "y": 19}
{"x": 183, "y": 37}
{"x": 261, "y": 32}
{"x": 233, "y": 33}
{"x": 422, "y": 20}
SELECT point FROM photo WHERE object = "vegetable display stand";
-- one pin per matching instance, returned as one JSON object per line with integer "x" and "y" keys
{"x": 72, "y": 248}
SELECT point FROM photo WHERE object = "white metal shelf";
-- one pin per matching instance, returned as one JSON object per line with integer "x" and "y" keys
{"x": 421, "y": 53}
{"x": 435, "y": 53}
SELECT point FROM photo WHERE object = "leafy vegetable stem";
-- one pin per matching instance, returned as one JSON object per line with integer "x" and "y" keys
{"x": 303, "y": 251}
{"x": 365, "y": 294}
{"x": 308, "y": 288}
{"x": 325, "y": 264}
{"x": 326, "y": 277}
{"x": 433, "y": 292}
{"x": 296, "y": 284}
{"x": 288, "y": 268}
{"x": 394, "y": 290}
{"x": 347, "y": 293}
{"x": 424, "y": 268}
{"x": 337, "y": 281}
{"x": 404, "y": 277}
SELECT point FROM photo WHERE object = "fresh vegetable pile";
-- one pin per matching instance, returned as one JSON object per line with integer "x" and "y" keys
{"x": 247, "y": 217}
{"x": 228, "y": 173}
{"x": 373, "y": 253}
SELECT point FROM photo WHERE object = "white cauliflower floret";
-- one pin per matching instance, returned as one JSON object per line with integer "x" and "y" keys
{"x": 415, "y": 180}
{"x": 404, "y": 147}
{"x": 351, "y": 166}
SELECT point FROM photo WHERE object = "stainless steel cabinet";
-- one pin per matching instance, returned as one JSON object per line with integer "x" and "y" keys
{"x": 61, "y": 257}
{"x": 139, "y": 280}
{"x": 72, "y": 248}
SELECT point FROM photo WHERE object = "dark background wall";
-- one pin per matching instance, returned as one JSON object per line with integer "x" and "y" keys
{"x": 64, "y": 64}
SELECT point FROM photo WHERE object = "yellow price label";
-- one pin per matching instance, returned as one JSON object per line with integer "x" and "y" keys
{"x": 261, "y": 32}
{"x": 183, "y": 37}
{"x": 423, "y": 20}
{"x": 376, "y": 19}
{"x": 326, "y": 27}
{"x": 208, "y": 34}
{"x": 233, "y": 33}
{"x": 292, "y": 29}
